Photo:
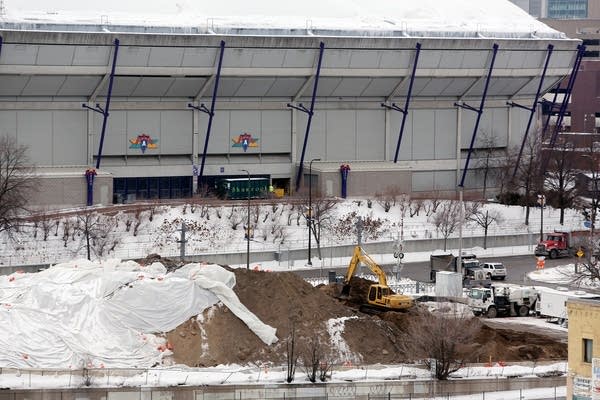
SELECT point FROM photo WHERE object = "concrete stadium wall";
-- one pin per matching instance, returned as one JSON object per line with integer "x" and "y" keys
{"x": 62, "y": 191}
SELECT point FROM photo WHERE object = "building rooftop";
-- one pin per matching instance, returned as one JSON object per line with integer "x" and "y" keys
{"x": 379, "y": 18}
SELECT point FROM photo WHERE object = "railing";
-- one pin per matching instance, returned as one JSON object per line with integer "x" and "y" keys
{"x": 266, "y": 374}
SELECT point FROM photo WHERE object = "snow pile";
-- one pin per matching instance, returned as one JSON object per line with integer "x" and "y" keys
{"x": 106, "y": 314}
{"x": 567, "y": 274}
{"x": 416, "y": 18}
{"x": 335, "y": 327}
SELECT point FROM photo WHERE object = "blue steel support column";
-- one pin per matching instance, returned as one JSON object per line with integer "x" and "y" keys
{"x": 533, "y": 107}
{"x": 479, "y": 112}
{"x": 309, "y": 112}
{"x": 406, "y": 104}
{"x": 211, "y": 112}
{"x": 105, "y": 114}
{"x": 564, "y": 105}
{"x": 552, "y": 106}
{"x": 567, "y": 97}
{"x": 1, "y": 41}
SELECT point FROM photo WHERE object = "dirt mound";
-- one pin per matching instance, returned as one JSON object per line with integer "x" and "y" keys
{"x": 291, "y": 305}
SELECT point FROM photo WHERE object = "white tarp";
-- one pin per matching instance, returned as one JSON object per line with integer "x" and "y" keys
{"x": 97, "y": 314}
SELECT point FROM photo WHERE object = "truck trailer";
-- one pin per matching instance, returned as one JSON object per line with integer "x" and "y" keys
{"x": 552, "y": 302}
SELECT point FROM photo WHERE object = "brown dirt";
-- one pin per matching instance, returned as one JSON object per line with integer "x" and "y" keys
{"x": 285, "y": 301}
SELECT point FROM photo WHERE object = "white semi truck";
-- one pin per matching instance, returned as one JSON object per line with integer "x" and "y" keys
{"x": 502, "y": 300}
{"x": 552, "y": 303}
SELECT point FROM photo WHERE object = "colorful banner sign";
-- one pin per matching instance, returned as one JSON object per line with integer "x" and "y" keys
{"x": 143, "y": 142}
{"x": 244, "y": 141}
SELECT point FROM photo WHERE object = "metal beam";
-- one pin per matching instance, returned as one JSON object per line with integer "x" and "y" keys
{"x": 404, "y": 111}
{"x": 479, "y": 112}
{"x": 532, "y": 108}
{"x": 272, "y": 72}
{"x": 564, "y": 105}
{"x": 309, "y": 112}
{"x": 90, "y": 174}
{"x": 211, "y": 112}
{"x": 552, "y": 107}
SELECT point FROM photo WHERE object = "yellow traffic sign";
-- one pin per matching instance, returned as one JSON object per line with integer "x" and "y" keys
{"x": 580, "y": 253}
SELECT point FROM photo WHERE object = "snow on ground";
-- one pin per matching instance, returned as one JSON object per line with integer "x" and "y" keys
{"x": 563, "y": 275}
{"x": 235, "y": 374}
{"x": 158, "y": 228}
{"x": 532, "y": 321}
{"x": 335, "y": 328}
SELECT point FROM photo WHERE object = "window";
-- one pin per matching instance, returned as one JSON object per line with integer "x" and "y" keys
{"x": 587, "y": 350}
{"x": 567, "y": 9}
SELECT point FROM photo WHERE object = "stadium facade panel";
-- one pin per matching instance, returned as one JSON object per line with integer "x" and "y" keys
{"x": 54, "y": 85}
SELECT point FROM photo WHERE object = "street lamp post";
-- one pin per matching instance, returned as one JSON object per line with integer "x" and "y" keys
{"x": 248, "y": 223}
{"x": 309, "y": 219}
{"x": 542, "y": 203}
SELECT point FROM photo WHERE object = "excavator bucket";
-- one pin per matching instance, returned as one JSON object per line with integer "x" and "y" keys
{"x": 345, "y": 292}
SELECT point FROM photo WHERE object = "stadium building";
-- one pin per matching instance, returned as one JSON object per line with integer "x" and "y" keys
{"x": 164, "y": 107}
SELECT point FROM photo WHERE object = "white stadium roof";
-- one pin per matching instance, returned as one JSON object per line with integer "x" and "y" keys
{"x": 498, "y": 19}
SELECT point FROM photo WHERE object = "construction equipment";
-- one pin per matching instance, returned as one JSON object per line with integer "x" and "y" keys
{"x": 502, "y": 300}
{"x": 562, "y": 244}
{"x": 472, "y": 273}
{"x": 380, "y": 296}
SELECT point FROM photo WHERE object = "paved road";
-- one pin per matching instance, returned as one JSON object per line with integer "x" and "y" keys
{"x": 517, "y": 269}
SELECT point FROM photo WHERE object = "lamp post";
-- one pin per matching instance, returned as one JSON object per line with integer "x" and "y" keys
{"x": 248, "y": 223}
{"x": 542, "y": 203}
{"x": 309, "y": 219}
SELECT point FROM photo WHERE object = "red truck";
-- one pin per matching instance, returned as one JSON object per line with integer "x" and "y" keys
{"x": 562, "y": 244}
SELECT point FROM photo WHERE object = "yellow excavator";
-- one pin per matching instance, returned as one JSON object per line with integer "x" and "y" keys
{"x": 380, "y": 296}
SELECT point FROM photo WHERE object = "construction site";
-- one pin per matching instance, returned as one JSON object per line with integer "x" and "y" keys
{"x": 286, "y": 302}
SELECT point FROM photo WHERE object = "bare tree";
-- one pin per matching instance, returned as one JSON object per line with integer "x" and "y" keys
{"x": 98, "y": 232}
{"x": 388, "y": 198}
{"x": 484, "y": 218}
{"x": 561, "y": 176}
{"x": 291, "y": 354}
{"x": 592, "y": 191}
{"x": 442, "y": 341}
{"x": 587, "y": 272}
{"x": 17, "y": 183}
{"x": 527, "y": 178}
{"x": 322, "y": 209}
{"x": 485, "y": 160}
{"x": 446, "y": 219}
{"x": 312, "y": 359}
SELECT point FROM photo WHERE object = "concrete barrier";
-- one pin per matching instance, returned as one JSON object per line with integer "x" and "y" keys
{"x": 391, "y": 389}
{"x": 299, "y": 255}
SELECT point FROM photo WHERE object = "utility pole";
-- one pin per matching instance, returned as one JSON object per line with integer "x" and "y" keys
{"x": 248, "y": 225}
{"x": 182, "y": 241}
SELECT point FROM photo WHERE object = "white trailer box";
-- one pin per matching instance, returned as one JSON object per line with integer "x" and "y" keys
{"x": 552, "y": 303}
{"x": 448, "y": 284}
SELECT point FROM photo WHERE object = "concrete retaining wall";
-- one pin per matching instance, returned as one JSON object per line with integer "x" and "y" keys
{"x": 337, "y": 391}
{"x": 337, "y": 251}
